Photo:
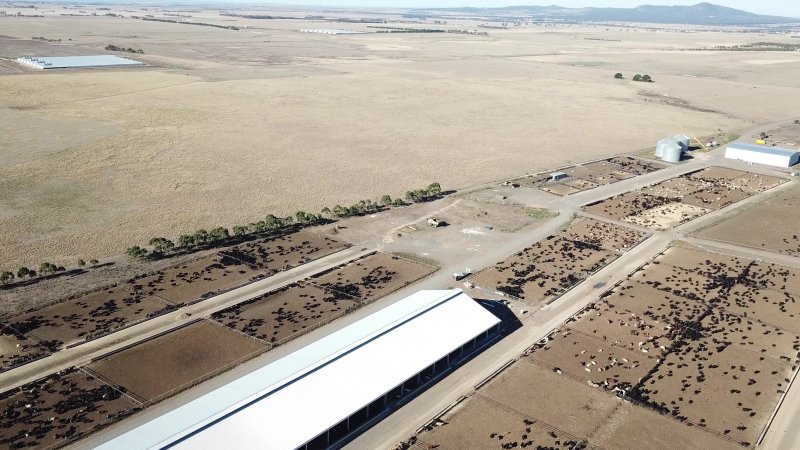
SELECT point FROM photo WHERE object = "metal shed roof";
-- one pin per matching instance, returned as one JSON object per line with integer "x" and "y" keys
{"x": 69, "y": 62}
{"x": 766, "y": 149}
{"x": 291, "y": 401}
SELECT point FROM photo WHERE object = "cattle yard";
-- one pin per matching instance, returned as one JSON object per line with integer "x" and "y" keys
{"x": 52, "y": 411}
{"x": 584, "y": 177}
{"x": 372, "y": 276}
{"x": 670, "y": 203}
{"x": 771, "y": 225}
{"x": 548, "y": 268}
{"x": 117, "y": 384}
{"x": 281, "y": 314}
{"x": 693, "y": 349}
{"x": 101, "y": 312}
{"x": 176, "y": 360}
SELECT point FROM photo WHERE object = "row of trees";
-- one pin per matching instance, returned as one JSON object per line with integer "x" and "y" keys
{"x": 160, "y": 246}
{"x": 114, "y": 48}
{"x": 273, "y": 224}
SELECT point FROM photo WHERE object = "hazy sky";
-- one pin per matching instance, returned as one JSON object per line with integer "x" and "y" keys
{"x": 789, "y": 8}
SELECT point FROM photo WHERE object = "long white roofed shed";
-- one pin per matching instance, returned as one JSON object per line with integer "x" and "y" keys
{"x": 762, "y": 154}
{"x": 317, "y": 390}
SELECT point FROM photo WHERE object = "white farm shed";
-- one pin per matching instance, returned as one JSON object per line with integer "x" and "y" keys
{"x": 330, "y": 389}
{"x": 763, "y": 154}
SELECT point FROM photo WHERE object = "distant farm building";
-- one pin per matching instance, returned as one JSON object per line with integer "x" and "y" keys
{"x": 324, "y": 393}
{"x": 76, "y": 62}
{"x": 555, "y": 176}
{"x": 762, "y": 154}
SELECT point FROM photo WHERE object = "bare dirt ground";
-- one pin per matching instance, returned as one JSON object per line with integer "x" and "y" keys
{"x": 176, "y": 359}
{"x": 694, "y": 363}
{"x": 372, "y": 276}
{"x": 97, "y": 313}
{"x": 786, "y": 136}
{"x": 771, "y": 225}
{"x": 482, "y": 425}
{"x": 87, "y": 316}
{"x": 281, "y": 314}
{"x": 673, "y": 202}
{"x": 62, "y": 406}
{"x": 138, "y": 151}
{"x": 476, "y": 222}
{"x": 549, "y": 267}
{"x": 591, "y": 175}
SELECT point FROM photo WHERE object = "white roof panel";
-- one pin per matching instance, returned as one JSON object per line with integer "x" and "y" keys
{"x": 69, "y": 62}
{"x": 766, "y": 149}
{"x": 291, "y": 401}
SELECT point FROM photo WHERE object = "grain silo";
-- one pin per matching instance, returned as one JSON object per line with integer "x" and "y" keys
{"x": 672, "y": 153}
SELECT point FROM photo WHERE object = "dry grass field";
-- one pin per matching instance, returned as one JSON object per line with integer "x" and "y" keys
{"x": 222, "y": 126}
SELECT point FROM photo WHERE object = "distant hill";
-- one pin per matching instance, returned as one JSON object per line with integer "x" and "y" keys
{"x": 700, "y": 14}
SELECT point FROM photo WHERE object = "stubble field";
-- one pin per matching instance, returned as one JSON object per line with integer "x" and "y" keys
{"x": 225, "y": 126}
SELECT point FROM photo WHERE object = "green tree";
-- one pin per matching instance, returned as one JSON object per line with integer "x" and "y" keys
{"x": 386, "y": 200}
{"x": 186, "y": 240}
{"x": 93, "y": 262}
{"x": 218, "y": 234}
{"x": 273, "y": 222}
{"x": 398, "y": 202}
{"x": 136, "y": 252}
{"x": 326, "y": 211}
{"x": 339, "y": 211}
{"x": 434, "y": 189}
{"x": 6, "y": 277}
{"x": 23, "y": 272}
{"x": 646, "y": 79}
{"x": 162, "y": 245}
{"x": 47, "y": 268}
{"x": 618, "y": 76}
{"x": 637, "y": 77}
{"x": 201, "y": 236}
{"x": 81, "y": 263}
{"x": 240, "y": 230}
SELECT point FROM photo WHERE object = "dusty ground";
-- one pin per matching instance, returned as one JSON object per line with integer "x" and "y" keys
{"x": 172, "y": 361}
{"x": 670, "y": 203}
{"x": 65, "y": 405}
{"x": 92, "y": 314}
{"x": 372, "y": 276}
{"x": 591, "y": 175}
{"x": 279, "y": 315}
{"x": 692, "y": 342}
{"x": 770, "y": 225}
{"x": 476, "y": 222}
{"x": 210, "y": 133}
{"x": 549, "y": 267}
